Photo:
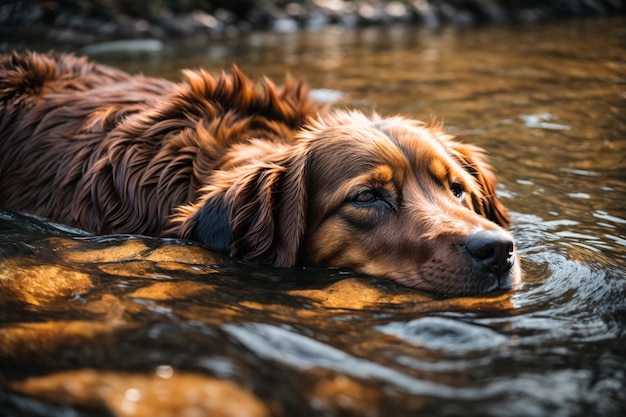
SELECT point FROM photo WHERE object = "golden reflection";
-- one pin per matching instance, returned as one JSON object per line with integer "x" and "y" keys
{"x": 110, "y": 307}
{"x": 61, "y": 275}
{"x": 39, "y": 284}
{"x": 181, "y": 254}
{"x": 130, "y": 269}
{"x": 131, "y": 394}
{"x": 40, "y": 339}
{"x": 127, "y": 250}
{"x": 343, "y": 393}
{"x": 173, "y": 290}
{"x": 358, "y": 294}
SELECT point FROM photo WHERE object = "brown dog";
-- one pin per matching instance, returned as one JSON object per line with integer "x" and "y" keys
{"x": 249, "y": 170}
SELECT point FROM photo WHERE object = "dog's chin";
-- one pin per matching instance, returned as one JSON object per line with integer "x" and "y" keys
{"x": 450, "y": 281}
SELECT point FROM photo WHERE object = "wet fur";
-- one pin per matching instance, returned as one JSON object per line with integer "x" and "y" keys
{"x": 246, "y": 168}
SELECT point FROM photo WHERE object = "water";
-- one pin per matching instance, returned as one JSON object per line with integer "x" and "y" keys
{"x": 127, "y": 325}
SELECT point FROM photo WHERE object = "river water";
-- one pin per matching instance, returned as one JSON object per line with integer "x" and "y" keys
{"x": 127, "y": 325}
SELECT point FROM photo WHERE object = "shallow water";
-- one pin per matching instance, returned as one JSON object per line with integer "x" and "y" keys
{"x": 126, "y": 325}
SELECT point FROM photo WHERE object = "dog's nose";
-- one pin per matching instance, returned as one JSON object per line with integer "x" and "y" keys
{"x": 492, "y": 251}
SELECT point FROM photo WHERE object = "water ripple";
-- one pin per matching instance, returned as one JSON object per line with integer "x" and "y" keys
{"x": 301, "y": 352}
{"x": 444, "y": 334}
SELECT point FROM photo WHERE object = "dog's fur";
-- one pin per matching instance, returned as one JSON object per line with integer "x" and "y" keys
{"x": 251, "y": 170}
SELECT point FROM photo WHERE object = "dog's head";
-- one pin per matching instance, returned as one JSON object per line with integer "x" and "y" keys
{"x": 388, "y": 197}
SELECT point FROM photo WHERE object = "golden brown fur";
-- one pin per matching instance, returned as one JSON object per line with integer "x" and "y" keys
{"x": 250, "y": 170}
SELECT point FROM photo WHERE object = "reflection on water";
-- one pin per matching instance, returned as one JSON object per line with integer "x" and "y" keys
{"x": 127, "y": 325}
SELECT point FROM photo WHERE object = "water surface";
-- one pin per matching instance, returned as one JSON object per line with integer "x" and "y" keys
{"x": 127, "y": 325}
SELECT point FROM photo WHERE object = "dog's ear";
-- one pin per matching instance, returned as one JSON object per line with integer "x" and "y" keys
{"x": 473, "y": 160}
{"x": 255, "y": 212}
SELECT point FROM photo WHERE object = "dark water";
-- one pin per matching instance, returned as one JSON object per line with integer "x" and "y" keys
{"x": 124, "y": 325}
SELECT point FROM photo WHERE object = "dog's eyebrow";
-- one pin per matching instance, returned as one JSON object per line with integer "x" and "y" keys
{"x": 378, "y": 175}
{"x": 438, "y": 169}
{"x": 382, "y": 173}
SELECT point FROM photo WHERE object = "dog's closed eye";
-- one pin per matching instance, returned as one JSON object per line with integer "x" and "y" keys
{"x": 371, "y": 198}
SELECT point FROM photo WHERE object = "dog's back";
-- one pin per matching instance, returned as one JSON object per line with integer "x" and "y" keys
{"x": 56, "y": 110}
{"x": 94, "y": 147}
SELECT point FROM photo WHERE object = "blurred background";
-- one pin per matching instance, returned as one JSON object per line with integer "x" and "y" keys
{"x": 67, "y": 20}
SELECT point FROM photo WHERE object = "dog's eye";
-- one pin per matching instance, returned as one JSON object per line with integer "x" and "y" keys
{"x": 365, "y": 197}
{"x": 374, "y": 199}
{"x": 457, "y": 190}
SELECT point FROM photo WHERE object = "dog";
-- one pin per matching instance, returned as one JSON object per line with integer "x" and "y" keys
{"x": 251, "y": 170}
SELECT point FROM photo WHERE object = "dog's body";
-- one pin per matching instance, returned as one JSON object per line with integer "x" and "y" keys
{"x": 252, "y": 172}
